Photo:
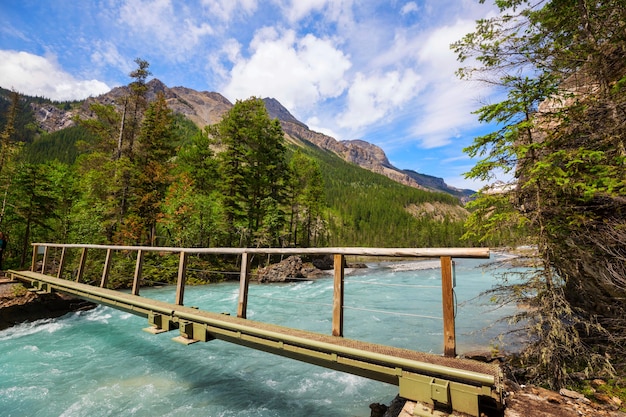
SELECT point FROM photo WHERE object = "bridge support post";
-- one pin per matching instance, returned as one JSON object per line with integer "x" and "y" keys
{"x": 81, "y": 265}
{"x": 44, "y": 260}
{"x": 34, "y": 259}
{"x": 244, "y": 281}
{"x": 338, "y": 296}
{"x": 61, "y": 263}
{"x": 447, "y": 295}
{"x": 138, "y": 267}
{"x": 182, "y": 274}
{"x": 106, "y": 269}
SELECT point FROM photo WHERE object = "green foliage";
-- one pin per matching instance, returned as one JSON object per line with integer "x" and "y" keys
{"x": 19, "y": 290}
{"x": 134, "y": 173}
{"x": 254, "y": 174}
{"x": 368, "y": 209}
{"x": 560, "y": 139}
{"x": 33, "y": 205}
{"x": 60, "y": 146}
{"x": 23, "y": 129}
{"x": 306, "y": 194}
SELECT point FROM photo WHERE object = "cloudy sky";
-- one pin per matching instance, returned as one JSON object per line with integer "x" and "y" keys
{"x": 375, "y": 70}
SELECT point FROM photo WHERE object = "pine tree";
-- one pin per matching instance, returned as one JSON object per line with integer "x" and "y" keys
{"x": 307, "y": 200}
{"x": 253, "y": 170}
{"x": 154, "y": 152}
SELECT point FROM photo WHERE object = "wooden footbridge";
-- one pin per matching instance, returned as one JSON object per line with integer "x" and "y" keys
{"x": 444, "y": 382}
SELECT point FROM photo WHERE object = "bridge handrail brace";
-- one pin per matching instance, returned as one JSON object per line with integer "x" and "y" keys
{"x": 482, "y": 253}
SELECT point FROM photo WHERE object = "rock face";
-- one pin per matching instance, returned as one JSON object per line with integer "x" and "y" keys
{"x": 278, "y": 111}
{"x": 51, "y": 118}
{"x": 201, "y": 107}
{"x": 364, "y": 154}
{"x": 361, "y": 153}
{"x": 18, "y": 305}
{"x": 291, "y": 269}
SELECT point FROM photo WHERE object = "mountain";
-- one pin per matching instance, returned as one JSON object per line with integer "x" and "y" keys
{"x": 205, "y": 108}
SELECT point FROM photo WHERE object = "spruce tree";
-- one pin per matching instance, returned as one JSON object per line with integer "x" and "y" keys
{"x": 253, "y": 172}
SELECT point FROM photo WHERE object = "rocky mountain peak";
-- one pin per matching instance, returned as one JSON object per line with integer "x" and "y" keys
{"x": 207, "y": 108}
{"x": 365, "y": 154}
{"x": 278, "y": 111}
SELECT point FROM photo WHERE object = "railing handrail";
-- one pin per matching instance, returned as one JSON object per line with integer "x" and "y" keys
{"x": 482, "y": 253}
{"x": 444, "y": 254}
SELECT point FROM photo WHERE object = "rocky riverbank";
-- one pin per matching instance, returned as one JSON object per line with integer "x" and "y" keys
{"x": 18, "y": 305}
{"x": 521, "y": 401}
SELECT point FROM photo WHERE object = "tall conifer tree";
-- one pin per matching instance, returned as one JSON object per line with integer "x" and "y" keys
{"x": 560, "y": 137}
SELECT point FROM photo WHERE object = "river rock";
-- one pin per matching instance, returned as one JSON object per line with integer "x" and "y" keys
{"x": 324, "y": 262}
{"x": 573, "y": 395}
{"x": 290, "y": 269}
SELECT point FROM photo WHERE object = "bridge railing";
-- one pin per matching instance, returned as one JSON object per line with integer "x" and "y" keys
{"x": 339, "y": 253}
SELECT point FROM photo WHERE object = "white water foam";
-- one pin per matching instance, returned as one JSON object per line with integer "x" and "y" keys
{"x": 414, "y": 266}
{"x": 27, "y": 329}
{"x": 100, "y": 314}
{"x": 351, "y": 383}
{"x": 23, "y": 392}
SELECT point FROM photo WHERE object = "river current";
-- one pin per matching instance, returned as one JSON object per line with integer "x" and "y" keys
{"x": 101, "y": 363}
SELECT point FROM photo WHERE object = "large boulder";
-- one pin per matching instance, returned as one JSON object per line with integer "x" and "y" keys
{"x": 323, "y": 262}
{"x": 290, "y": 269}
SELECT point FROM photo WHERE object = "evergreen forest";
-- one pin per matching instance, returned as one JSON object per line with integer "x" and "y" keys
{"x": 135, "y": 173}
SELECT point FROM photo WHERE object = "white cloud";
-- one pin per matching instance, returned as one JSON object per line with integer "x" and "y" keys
{"x": 447, "y": 105}
{"x": 410, "y": 7}
{"x": 334, "y": 10}
{"x": 225, "y": 9}
{"x": 39, "y": 76}
{"x": 372, "y": 98}
{"x": 107, "y": 54}
{"x": 435, "y": 49}
{"x": 315, "y": 125}
{"x": 156, "y": 22}
{"x": 447, "y": 109}
{"x": 298, "y": 72}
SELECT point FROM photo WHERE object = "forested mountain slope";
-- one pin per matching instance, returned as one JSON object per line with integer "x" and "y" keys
{"x": 205, "y": 108}
{"x": 358, "y": 207}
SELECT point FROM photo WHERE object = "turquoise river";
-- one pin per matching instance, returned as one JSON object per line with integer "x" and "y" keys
{"x": 101, "y": 363}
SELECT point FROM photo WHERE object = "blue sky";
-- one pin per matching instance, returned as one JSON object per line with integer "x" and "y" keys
{"x": 380, "y": 71}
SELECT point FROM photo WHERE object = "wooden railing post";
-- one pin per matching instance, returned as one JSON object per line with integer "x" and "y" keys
{"x": 44, "y": 260}
{"x": 81, "y": 265}
{"x": 106, "y": 269}
{"x": 33, "y": 263}
{"x": 244, "y": 281}
{"x": 182, "y": 275}
{"x": 137, "y": 276}
{"x": 61, "y": 263}
{"x": 447, "y": 294}
{"x": 338, "y": 296}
